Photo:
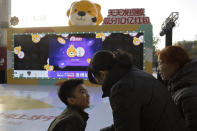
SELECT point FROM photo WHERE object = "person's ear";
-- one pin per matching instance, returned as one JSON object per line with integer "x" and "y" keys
{"x": 102, "y": 74}
{"x": 71, "y": 101}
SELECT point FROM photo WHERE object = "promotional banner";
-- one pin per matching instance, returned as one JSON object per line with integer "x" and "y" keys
{"x": 126, "y": 17}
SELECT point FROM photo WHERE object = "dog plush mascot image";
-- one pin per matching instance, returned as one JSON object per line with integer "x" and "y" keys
{"x": 84, "y": 12}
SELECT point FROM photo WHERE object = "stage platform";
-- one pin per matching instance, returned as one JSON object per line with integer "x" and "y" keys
{"x": 32, "y": 108}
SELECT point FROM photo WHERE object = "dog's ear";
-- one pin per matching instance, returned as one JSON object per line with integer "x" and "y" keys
{"x": 99, "y": 17}
{"x": 70, "y": 23}
{"x": 98, "y": 7}
{"x": 68, "y": 11}
{"x": 68, "y": 14}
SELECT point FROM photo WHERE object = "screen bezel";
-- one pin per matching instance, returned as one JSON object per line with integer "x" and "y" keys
{"x": 146, "y": 29}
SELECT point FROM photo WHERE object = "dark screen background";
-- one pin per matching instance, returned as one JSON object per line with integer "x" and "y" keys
{"x": 36, "y": 54}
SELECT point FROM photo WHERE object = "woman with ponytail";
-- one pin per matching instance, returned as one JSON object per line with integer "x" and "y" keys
{"x": 139, "y": 102}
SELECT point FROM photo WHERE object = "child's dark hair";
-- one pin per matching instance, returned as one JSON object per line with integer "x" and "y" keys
{"x": 67, "y": 88}
{"x": 105, "y": 60}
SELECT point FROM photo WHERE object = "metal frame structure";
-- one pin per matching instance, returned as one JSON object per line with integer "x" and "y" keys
{"x": 167, "y": 26}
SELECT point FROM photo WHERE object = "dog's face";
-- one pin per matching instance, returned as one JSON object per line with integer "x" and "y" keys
{"x": 84, "y": 13}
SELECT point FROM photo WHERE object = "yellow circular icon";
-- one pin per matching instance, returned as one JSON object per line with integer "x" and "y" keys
{"x": 88, "y": 60}
{"x": 100, "y": 35}
{"x": 61, "y": 40}
{"x": 136, "y": 41}
{"x": 49, "y": 67}
{"x": 17, "y": 50}
{"x": 36, "y": 38}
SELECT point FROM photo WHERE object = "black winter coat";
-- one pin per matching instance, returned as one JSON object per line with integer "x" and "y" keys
{"x": 71, "y": 119}
{"x": 139, "y": 102}
{"x": 183, "y": 88}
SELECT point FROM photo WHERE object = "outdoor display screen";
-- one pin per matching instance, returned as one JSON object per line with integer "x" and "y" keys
{"x": 68, "y": 55}
{"x": 72, "y": 58}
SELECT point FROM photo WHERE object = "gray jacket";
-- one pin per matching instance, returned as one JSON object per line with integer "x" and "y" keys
{"x": 71, "y": 119}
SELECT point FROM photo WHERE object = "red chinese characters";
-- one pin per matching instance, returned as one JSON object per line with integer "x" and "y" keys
{"x": 126, "y": 16}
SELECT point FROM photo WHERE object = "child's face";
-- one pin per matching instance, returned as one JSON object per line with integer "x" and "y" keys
{"x": 81, "y": 97}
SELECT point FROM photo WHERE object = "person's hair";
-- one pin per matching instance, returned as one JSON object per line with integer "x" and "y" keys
{"x": 105, "y": 60}
{"x": 67, "y": 88}
{"x": 174, "y": 55}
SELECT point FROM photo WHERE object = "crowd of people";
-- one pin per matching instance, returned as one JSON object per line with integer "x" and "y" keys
{"x": 138, "y": 100}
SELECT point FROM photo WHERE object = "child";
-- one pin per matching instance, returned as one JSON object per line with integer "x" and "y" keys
{"x": 74, "y": 94}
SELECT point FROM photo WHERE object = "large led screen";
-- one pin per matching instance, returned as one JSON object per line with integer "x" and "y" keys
{"x": 63, "y": 55}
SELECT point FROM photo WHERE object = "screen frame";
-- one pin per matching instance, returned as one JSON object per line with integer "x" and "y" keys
{"x": 145, "y": 28}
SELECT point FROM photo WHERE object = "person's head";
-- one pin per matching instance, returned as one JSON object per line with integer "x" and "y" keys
{"x": 103, "y": 61}
{"x": 74, "y": 93}
{"x": 170, "y": 60}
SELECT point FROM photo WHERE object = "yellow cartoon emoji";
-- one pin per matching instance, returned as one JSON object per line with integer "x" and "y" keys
{"x": 100, "y": 35}
{"x": 61, "y": 40}
{"x": 136, "y": 41}
{"x": 71, "y": 51}
{"x": 17, "y": 50}
{"x": 49, "y": 67}
{"x": 36, "y": 38}
{"x": 88, "y": 60}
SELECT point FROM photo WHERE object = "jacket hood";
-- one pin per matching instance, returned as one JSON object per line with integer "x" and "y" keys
{"x": 187, "y": 75}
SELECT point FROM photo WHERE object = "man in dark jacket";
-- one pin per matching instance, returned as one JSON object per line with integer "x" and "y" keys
{"x": 139, "y": 102}
{"x": 74, "y": 94}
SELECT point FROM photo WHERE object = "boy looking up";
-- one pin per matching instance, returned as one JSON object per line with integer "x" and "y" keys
{"x": 74, "y": 94}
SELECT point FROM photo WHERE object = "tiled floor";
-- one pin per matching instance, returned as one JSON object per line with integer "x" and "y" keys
{"x": 32, "y": 108}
